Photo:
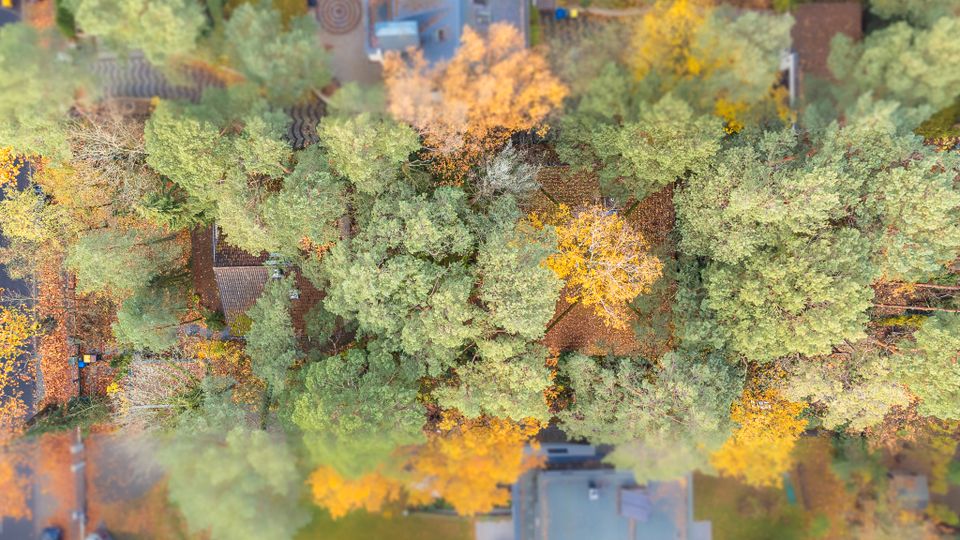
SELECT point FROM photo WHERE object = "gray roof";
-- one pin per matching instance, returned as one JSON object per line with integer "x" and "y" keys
{"x": 240, "y": 286}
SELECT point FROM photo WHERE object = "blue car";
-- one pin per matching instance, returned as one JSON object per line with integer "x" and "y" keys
{"x": 52, "y": 533}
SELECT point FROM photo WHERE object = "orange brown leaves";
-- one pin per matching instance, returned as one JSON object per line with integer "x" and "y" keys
{"x": 471, "y": 104}
{"x": 15, "y": 486}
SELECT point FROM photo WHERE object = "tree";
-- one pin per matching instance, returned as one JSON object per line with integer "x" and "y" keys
{"x": 471, "y": 104}
{"x": 367, "y": 150}
{"x": 408, "y": 276}
{"x": 469, "y": 461}
{"x": 271, "y": 342}
{"x": 39, "y": 86}
{"x": 900, "y": 62}
{"x": 605, "y": 263}
{"x": 507, "y": 173}
{"x": 760, "y": 451}
{"x": 856, "y": 390}
{"x": 645, "y": 149}
{"x": 241, "y": 485}
{"x": 920, "y": 12}
{"x": 163, "y": 29}
{"x": 715, "y": 58}
{"x": 510, "y": 262}
{"x": 784, "y": 272}
{"x": 681, "y": 404}
{"x": 510, "y": 388}
{"x": 929, "y": 367}
{"x": 17, "y": 327}
{"x": 341, "y": 496}
{"x": 150, "y": 318}
{"x": 284, "y": 59}
{"x": 120, "y": 262}
{"x": 363, "y": 403}
{"x": 15, "y": 485}
{"x": 920, "y": 207}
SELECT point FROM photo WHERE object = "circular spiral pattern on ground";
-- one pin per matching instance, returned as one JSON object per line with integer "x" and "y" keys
{"x": 339, "y": 16}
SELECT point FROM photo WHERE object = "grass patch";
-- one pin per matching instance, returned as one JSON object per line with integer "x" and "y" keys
{"x": 363, "y": 526}
{"x": 944, "y": 124}
{"x": 740, "y": 512}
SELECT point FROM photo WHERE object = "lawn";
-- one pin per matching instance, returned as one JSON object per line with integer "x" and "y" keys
{"x": 739, "y": 512}
{"x": 363, "y": 526}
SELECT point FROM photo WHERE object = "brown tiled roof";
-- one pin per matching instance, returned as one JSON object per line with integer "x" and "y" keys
{"x": 240, "y": 286}
{"x": 815, "y": 26}
{"x": 227, "y": 254}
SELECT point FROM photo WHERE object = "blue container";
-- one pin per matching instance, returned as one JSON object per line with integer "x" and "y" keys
{"x": 561, "y": 14}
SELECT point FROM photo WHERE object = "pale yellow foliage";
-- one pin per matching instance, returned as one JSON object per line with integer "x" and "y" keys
{"x": 471, "y": 104}
{"x": 760, "y": 451}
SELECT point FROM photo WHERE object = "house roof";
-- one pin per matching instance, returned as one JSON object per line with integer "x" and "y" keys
{"x": 239, "y": 287}
{"x": 440, "y": 22}
{"x": 557, "y": 504}
{"x": 816, "y": 25}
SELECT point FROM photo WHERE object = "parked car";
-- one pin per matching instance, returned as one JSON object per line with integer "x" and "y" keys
{"x": 52, "y": 533}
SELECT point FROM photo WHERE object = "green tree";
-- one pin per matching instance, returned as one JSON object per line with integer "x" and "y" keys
{"x": 492, "y": 385}
{"x": 855, "y": 391}
{"x": 358, "y": 407}
{"x": 271, "y": 341}
{"x": 408, "y": 275}
{"x": 900, "y": 62}
{"x": 783, "y": 272}
{"x": 150, "y": 318}
{"x": 920, "y": 12}
{"x": 38, "y": 88}
{"x": 162, "y": 29}
{"x": 682, "y": 404}
{"x": 243, "y": 485}
{"x": 643, "y": 150}
{"x": 120, "y": 262}
{"x": 929, "y": 366}
{"x": 286, "y": 61}
{"x": 367, "y": 150}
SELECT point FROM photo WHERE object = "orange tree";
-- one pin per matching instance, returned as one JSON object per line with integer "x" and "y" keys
{"x": 465, "y": 462}
{"x": 605, "y": 261}
{"x": 760, "y": 451}
{"x": 471, "y": 104}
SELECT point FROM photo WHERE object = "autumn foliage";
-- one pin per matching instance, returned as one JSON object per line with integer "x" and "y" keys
{"x": 17, "y": 326}
{"x": 605, "y": 262}
{"x": 466, "y": 462}
{"x": 470, "y": 461}
{"x": 15, "y": 486}
{"x": 492, "y": 88}
{"x": 760, "y": 451}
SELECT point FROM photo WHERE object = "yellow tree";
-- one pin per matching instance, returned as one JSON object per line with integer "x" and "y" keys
{"x": 16, "y": 328}
{"x": 665, "y": 36}
{"x": 9, "y": 167}
{"x": 340, "y": 496}
{"x": 471, "y": 104}
{"x": 605, "y": 262}
{"x": 469, "y": 462}
{"x": 760, "y": 451}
